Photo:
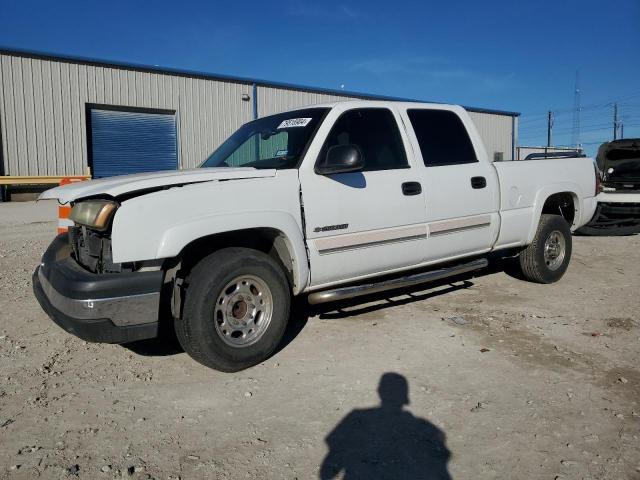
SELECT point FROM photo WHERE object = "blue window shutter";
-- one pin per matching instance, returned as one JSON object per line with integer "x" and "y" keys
{"x": 132, "y": 142}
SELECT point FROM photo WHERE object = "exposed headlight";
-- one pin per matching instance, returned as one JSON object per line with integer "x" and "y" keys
{"x": 94, "y": 214}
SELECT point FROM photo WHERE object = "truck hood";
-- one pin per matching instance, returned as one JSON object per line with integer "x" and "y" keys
{"x": 125, "y": 184}
{"x": 619, "y": 162}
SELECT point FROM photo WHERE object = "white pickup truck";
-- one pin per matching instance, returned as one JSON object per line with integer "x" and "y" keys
{"x": 331, "y": 202}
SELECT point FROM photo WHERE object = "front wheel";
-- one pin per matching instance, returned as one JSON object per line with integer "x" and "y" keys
{"x": 236, "y": 309}
{"x": 546, "y": 259}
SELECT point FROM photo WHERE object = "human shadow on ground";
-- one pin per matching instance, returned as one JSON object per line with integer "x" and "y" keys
{"x": 386, "y": 442}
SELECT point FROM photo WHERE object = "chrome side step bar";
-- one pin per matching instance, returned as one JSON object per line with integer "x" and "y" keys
{"x": 360, "y": 290}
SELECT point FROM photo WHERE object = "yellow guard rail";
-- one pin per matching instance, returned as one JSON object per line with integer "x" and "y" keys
{"x": 38, "y": 180}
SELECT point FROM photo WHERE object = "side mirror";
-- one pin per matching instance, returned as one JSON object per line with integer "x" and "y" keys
{"x": 341, "y": 159}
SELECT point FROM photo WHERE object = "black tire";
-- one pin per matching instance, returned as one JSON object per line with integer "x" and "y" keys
{"x": 196, "y": 330}
{"x": 533, "y": 264}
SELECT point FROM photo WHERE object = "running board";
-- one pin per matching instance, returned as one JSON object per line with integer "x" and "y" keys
{"x": 360, "y": 290}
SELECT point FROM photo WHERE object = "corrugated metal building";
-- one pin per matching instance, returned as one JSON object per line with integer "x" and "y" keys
{"x": 59, "y": 114}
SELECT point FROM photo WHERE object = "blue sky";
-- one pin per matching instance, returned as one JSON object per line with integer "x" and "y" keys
{"x": 511, "y": 55}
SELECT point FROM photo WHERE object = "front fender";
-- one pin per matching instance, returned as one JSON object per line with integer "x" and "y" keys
{"x": 168, "y": 242}
{"x": 160, "y": 224}
{"x": 179, "y": 236}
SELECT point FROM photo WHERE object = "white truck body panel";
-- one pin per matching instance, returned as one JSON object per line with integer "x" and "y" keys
{"x": 386, "y": 230}
{"x": 525, "y": 185}
{"x": 169, "y": 220}
{"x": 115, "y": 186}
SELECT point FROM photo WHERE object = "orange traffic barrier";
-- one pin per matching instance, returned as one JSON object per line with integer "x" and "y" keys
{"x": 63, "y": 218}
{"x": 65, "y": 210}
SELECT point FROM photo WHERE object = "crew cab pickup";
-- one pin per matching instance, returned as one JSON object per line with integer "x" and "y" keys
{"x": 328, "y": 202}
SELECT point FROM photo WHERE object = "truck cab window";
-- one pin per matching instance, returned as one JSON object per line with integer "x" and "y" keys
{"x": 442, "y": 137}
{"x": 277, "y": 141}
{"x": 376, "y": 132}
{"x": 259, "y": 147}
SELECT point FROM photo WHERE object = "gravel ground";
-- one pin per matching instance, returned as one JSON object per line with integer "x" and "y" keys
{"x": 506, "y": 379}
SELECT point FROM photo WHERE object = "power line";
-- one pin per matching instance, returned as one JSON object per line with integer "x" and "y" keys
{"x": 590, "y": 111}
{"x": 589, "y": 120}
{"x": 598, "y": 104}
{"x": 592, "y": 122}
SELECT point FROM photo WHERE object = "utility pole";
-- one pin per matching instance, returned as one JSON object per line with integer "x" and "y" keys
{"x": 575, "y": 130}
{"x": 615, "y": 121}
{"x": 621, "y": 130}
{"x": 549, "y": 129}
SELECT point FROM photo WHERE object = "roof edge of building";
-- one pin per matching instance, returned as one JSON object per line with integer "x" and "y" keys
{"x": 228, "y": 78}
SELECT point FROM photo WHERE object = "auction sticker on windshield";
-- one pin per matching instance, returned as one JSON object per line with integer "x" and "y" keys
{"x": 295, "y": 122}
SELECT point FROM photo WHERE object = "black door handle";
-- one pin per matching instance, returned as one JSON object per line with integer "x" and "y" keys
{"x": 478, "y": 182}
{"x": 411, "y": 188}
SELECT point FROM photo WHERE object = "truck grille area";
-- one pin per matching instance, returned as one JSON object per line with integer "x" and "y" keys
{"x": 92, "y": 250}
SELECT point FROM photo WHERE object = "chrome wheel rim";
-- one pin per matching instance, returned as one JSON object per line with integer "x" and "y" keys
{"x": 554, "y": 250}
{"x": 243, "y": 311}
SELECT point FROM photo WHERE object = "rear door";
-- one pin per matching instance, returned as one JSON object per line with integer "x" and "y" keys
{"x": 461, "y": 189}
{"x": 362, "y": 223}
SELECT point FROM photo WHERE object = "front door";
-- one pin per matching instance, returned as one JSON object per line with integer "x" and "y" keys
{"x": 362, "y": 223}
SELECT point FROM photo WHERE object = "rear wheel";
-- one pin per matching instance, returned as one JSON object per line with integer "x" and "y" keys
{"x": 236, "y": 309}
{"x": 546, "y": 259}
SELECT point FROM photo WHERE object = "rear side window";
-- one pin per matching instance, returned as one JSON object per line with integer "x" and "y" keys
{"x": 442, "y": 137}
{"x": 375, "y": 131}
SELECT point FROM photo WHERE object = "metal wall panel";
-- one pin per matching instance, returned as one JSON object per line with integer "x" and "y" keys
{"x": 43, "y": 110}
{"x": 49, "y": 120}
{"x": 20, "y": 117}
{"x": 7, "y": 117}
{"x": 275, "y": 100}
{"x": 496, "y": 132}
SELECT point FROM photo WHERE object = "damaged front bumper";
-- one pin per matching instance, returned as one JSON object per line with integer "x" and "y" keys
{"x": 107, "y": 308}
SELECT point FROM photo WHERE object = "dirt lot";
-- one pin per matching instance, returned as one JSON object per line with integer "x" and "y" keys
{"x": 506, "y": 380}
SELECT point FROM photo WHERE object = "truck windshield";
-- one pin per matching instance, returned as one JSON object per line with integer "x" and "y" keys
{"x": 276, "y": 141}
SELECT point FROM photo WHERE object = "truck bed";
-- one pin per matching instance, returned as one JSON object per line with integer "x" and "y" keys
{"x": 521, "y": 194}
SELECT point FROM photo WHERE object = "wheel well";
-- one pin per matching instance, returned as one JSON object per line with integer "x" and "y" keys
{"x": 267, "y": 240}
{"x": 562, "y": 204}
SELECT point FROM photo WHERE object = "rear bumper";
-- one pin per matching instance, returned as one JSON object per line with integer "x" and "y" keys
{"x": 108, "y": 308}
